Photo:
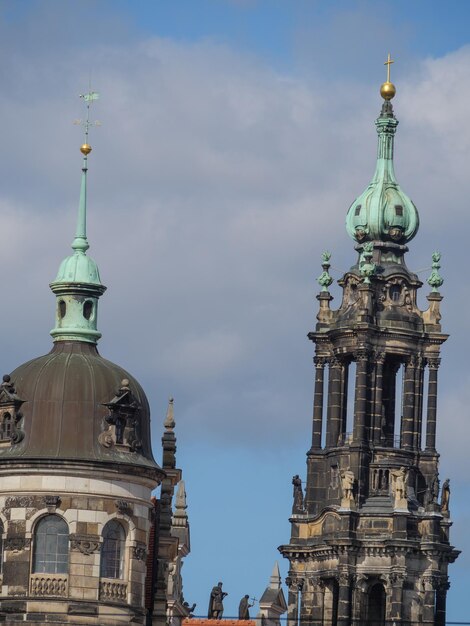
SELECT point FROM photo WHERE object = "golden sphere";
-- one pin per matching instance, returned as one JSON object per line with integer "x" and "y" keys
{"x": 85, "y": 149}
{"x": 387, "y": 90}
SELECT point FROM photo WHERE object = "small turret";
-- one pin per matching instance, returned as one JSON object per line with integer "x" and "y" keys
{"x": 77, "y": 285}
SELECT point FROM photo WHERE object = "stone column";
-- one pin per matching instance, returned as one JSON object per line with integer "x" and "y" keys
{"x": 334, "y": 404}
{"x": 418, "y": 420}
{"x": 433, "y": 365}
{"x": 318, "y": 591}
{"x": 378, "y": 432}
{"x": 344, "y": 600}
{"x": 360, "y": 399}
{"x": 428, "y": 600}
{"x": 441, "y": 597}
{"x": 293, "y": 601}
{"x": 318, "y": 402}
{"x": 407, "y": 425}
{"x": 396, "y": 600}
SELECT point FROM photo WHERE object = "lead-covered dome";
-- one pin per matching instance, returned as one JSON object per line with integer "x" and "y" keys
{"x": 79, "y": 406}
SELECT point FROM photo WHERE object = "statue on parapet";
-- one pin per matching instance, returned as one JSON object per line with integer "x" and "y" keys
{"x": 216, "y": 602}
{"x": 298, "y": 505}
{"x": 244, "y": 606}
{"x": 445, "y": 495}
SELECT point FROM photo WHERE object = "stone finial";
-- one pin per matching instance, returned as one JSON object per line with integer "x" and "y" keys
{"x": 325, "y": 280}
{"x": 275, "y": 580}
{"x": 435, "y": 280}
{"x": 169, "y": 422}
{"x": 180, "y": 500}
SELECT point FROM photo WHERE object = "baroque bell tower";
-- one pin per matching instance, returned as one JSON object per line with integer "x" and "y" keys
{"x": 370, "y": 536}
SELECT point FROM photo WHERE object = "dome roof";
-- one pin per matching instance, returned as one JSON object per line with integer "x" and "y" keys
{"x": 383, "y": 212}
{"x": 78, "y": 268}
{"x": 79, "y": 406}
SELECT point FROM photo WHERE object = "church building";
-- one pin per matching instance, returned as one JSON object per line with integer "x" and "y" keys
{"x": 370, "y": 535}
{"x": 81, "y": 539}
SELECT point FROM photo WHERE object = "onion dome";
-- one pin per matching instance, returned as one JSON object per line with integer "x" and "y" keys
{"x": 383, "y": 212}
{"x": 75, "y": 405}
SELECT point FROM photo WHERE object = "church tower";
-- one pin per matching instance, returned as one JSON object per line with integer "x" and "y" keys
{"x": 76, "y": 466}
{"x": 370, "y": 536}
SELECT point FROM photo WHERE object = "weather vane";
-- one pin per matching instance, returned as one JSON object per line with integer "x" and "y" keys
{"x": 88, "y": 98}
{"x": 388, "y": 63}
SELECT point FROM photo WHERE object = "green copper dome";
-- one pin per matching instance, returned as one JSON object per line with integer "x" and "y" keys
{"x": 383, "y": 212}
{"x": 78, "y": 285}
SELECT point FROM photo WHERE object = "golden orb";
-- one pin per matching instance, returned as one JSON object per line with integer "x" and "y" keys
{"x": 85, "y": 149}
{"x": 387, "y": 90}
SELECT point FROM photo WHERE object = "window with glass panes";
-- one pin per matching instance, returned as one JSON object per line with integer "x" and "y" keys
{"x": 112, "y": 551}
{"x": 51, "y": 546}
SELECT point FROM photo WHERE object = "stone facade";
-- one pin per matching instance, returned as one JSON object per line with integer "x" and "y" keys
{"x": 86, "y": 505}
{"x": 370, "y": 536}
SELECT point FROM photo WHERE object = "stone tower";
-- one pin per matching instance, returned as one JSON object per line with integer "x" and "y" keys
{"x": 76, "y": 467}
{"x": 370, "y": 534}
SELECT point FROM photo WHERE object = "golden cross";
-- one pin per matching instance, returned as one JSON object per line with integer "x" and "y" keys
{"x": 388, "y": 62}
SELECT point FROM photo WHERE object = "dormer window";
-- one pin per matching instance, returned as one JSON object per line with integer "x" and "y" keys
{"x": 6, "y": 427}
{"x": 398, "y": 210}
{"x": 357, "y": 210}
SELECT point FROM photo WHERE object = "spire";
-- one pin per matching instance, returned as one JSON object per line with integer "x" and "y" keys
{"x": 78, "y": 285}
{"x": 169, "y": 438}
{"x": 383, "y": 212}
{"x": 275, "y": 580}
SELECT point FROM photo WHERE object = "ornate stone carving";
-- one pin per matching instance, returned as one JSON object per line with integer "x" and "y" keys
{"x": 17, "y": 544}
{"x": 86, "y": 544}
{"x": 124, "y": 507}
{"x": 10, "y": 414}
{"x": 122, "y": 425}
{"x": 47, "y": 585}
{"x": 113, "y": 591}
{"x": 18, "y": 502}
{"x": 298, "y": 495}
{"x": 139, "y": 552}
{"x": 51, "y": 502}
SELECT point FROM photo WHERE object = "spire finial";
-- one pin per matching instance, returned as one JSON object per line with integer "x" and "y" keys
{"x": 80, "y": 243}
{"x": 169, "y": 422}
{"x": 387, "y": 89}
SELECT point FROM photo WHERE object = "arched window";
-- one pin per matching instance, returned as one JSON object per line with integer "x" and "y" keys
{"x": 51, "y": 546}
{"x": 5, "y": 427}
{"x": 376, "y": 605}
{"x": 112, "y": 552}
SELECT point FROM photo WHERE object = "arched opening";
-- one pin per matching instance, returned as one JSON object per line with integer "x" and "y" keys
{"x": 376, "y": 605}
{"x": 87, "y": 309}
{"x": 113, "y": 550}
{"x": 51, "y": 546}
{"x": 62, "y": 309}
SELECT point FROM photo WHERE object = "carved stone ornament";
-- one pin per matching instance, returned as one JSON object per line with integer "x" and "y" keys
{"x": 139, "y": 552}
{"x": 124, "y": 507}
{"x": 17, "y": 544}
{"x": 10, "y": 414}
{"x": 51, "y": 502}
{"x": 18, "y": 502}
{"x": 122, "y": 425}
{"x": 86, "y": 544}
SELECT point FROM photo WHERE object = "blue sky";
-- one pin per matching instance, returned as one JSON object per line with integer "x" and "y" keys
{"x": 235, "y": 136}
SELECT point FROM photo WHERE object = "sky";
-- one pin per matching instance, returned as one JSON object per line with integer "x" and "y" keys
{"x": 234, "y": 136}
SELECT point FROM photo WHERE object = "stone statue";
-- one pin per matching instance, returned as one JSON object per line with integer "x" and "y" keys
{"x": 243, "y": 612}
{"x": 445, "y": 495}
{"x": 216, "y": 602}
{"x": 298, "y": 505}
{"x": 434, "y": 489}
{"x": 189, "y": 609}
{"x": 347, "y": 484}
{"x": 399, "y": 481}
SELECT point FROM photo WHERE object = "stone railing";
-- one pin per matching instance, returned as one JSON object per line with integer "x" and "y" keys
{"x": 47, "y": 585}
{"x": 113, "y": 590}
